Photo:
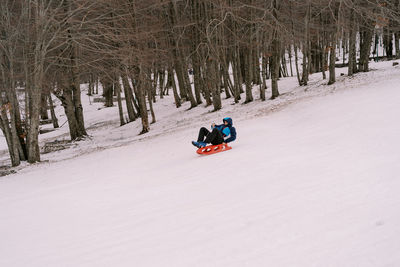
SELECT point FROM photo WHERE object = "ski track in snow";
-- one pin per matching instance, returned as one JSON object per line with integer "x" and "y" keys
{"x": 312, "y": 180}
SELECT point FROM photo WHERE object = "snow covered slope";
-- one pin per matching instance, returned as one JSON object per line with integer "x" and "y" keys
{"x": 314, "y": 184}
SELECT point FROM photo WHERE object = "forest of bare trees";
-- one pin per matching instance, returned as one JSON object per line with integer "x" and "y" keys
{"x": 198, "y": 51}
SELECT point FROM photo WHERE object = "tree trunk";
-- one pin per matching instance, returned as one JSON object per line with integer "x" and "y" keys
{"x": 263, "y": 85}
{"x": 236, "y": 75}
{"x": 161, "y": 75}
{"x": 275, "y": 62}
{"x": 297, "y": 65}
{"x": 332, "y": 61}
{"x": 67, "y": 93}
{"x": 91, "y": 85}
{"x": 9, "y": 124}
{"x": 154, "y": 86}
{"x": 141, "y": 95}
{"x": 117, "y": 88}
{"x": 284, "y": 65}
{"x": 53, "y": 114}
{"x": 227, "y": 81}
{"x": 214, "y": 84}
{"x": 33, "y": 130}
{"x": 255, "y": 67}
{"x": 67, "y": 103}
{"x": 352, "y": 47}
{"x": 198, "y": 88}
{"x": 11, "y": 144}
{"x": 78, "y": 109}
{"x": 388, "y": 42}
{"x": 150, "y": 92}
{"x": 181, "y": 80}
{"x": 397, "y": 44}
{"x": 323, "y": 61}
{"x": 304, "y": 79}
{"x": 97, "y": 86}
{"x": 365, "y": 50}
{"x": 128, "y": 97}
{"x": 193, "y": 102}
{"x": 306, "y": 49}
{"x": 153, "y": 115}
{"x": 108, "y": 92}
{"x": 248, "y": 76}
{"x": 19, "y": 128}
{"x": 174, "y": 89}
{"x": 290, "y": 60}
{"x": 43, "y": 106}
{"x": 74, "y": 80}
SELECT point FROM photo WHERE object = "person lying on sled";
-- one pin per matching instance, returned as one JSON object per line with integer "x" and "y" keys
{"x": 219, "y": 134}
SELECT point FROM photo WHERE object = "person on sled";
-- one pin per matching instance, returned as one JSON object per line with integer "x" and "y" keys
{"x": 219, "y": 134}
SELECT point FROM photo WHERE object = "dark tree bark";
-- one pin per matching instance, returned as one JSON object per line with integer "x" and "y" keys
{"x": 75, "y": 82}
{"x": 263, "y": 85}
{"x": 332, "y": 61}
{"x": 397, "y": 44}
{"x": 10, "y": 121}
{"x": 198, "y": 85}
{"x": 388, "y": 42}
{"x": 227, "y": 81}
{"x": 181, "y": 81}
{"x": 33, "y": 128}
{"x": 214, "y": 84}
{"x": 248, "y": 75}
{"x": 117, "y": 87}
{"x": 306, "y": 48}
{"x": 67, "y": 102}
{"x": 140, "y": 93}
{"x": 161, "y": 75}
{"x": 297, "y": 65}
{"x": 128, "y": 97}
{"x": 69, "y": 94}
{"x": 44, "y": 115}
{"x": 352, "y": 46}
{"x": 108, "y": 92}
{"x": 97, "y": 85}
{"x": 52, "y": 112}
{"x": 324, "y": 65}
{"x": 21, "y": 133}
{"x": 365, "y": 48}
{"x": 290, "y": 60}
{"x": 91, "y": 85}
{"x": 193, "y": 102}
{"x": 274, "y": 66}
{"x": 174, "y": 89}
{"x": 6, "y": 129}
{"x": 236, "y": 75}
{"x": 150, "y": 91}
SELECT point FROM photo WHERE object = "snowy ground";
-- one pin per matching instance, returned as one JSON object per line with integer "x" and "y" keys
{"x": 313, "y": 180}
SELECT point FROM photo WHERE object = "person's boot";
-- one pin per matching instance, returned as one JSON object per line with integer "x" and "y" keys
{"x": 199, "y": 144}
{"x": 196, "y": 144}
{"x": 202, "y": 144}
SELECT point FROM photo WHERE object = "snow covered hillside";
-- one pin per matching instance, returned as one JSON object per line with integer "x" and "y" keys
{"x": 312, "y": 180}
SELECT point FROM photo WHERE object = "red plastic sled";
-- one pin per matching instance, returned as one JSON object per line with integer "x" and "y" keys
{"x": 213, "y": 149}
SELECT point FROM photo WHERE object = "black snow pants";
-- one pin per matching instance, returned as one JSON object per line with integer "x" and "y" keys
{"x": 215, "y": 137}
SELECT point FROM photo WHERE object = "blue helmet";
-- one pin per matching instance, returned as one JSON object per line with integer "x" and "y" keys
{"x": 229, "y": 121}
